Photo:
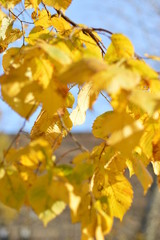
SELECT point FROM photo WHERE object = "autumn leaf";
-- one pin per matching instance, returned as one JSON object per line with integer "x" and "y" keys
{"x": 86, "y": 98}
{"x": 13, "y": 190}
{"x": 61, "y": 25}
{"x": 147, "y": 101}
{"x": 137, "y": 166}
{"x": 142, "y": 68}
{"x": 125, "y": 130}
{"x": 8, "y": 34}
{"x": 120, "y": 48}
{"x": 117, "y": 191}
{"x": 36, "y": 32}
{"x": 30, "y": 160}
{"x": 55, "y": 53}
{"x": 156, "y": 153}
{"x": 82, "y": 71}
{"x": 94, "y": 221}
{"x": 41, "y": 201}
{"x": 50, "y": 127}
{"x": 58, "y": 4}
{"x": 32, "y": 3}
{"x": 9, "y": 4}
{"x": 114, "y": 79}
{"x": 43, "y": 19}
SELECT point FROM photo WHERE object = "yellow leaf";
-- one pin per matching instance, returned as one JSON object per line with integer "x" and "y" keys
{"x": 114, "y": 79}
{"x": 43, "y": 19}
{"x": 2, "y": 15}
{"x": 23, "y": 87}
{"x": 117, "y": 191}
{"x": 9, "y": 59}
{"x": 48, "y": 190}
{"x": 31, "y": 159}
{"x": 9, "y": 4}
{"x": 94, "y": 221}
{"x": 58, "y": 4}
{"x": 85, "y": 100}
{"x": 41, "y": 201}
{"x": 147, "y": 101}
{"x": 136, "y": 166}
{"x": 55, "y": 53}
{"x": 156, "y": 153}
{"x": 50, "y": 127}
{"x": 120, "y": 48}
{"x": 61, "y": 25}
{"x": 8, "y": 34}
{"x": 82, "y": 71}
{"x": 37, "y": 32}
{"x": 118, "y": 129}
{"x": 12, "y": 190}
{"x": 47, "y": 96}
{"x": 146, "y": 140}
{"x": 83, "y": 39}
{"x": 142, "y": 68}
{"x": 16, "y": 94}
{"x": 156, "y": 167}
{"x": 32, "y": 3}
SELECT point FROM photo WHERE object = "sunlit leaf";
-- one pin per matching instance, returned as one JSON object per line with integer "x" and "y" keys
{"x": 32, "y": 3}
{"x": 118, "y": 129}
{"x": 55, "y": 53}
{"x": 34, "y": 156}
{"x": 116, "y": 189}
{"x": 12, "y": 190}
{"x": 142, "y": 68}
{"x": 82, "y": 71}
{"x": 37, "y": 32}
{"x": 120, "y": 48}
{"x": 114, "y": 79}
{"x": 149, "y": 102}
{"x": 9, "y": 4}
{"x": 58, "y": 4}
{"x": 156, "y": 153}
{"x": 8, "y": 34}
{"x": 60, "y": 24}
{"x": 136, "y": 166}
{"x": 43, "y": 19}
{"x": 94, "y": 221}
{"x": 86, "y": 97}
{"x": 50, "y": 127}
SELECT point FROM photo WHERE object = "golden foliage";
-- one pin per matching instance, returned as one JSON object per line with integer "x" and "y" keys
{"x": 56, "y": 55}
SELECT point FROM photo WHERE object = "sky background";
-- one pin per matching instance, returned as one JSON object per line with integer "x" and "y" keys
{"x": 137, "y": 19}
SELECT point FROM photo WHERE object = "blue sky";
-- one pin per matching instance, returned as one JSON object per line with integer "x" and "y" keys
{"x": 139, "y": 20}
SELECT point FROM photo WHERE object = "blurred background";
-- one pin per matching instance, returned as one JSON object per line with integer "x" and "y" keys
{"x": 140, "y": 21}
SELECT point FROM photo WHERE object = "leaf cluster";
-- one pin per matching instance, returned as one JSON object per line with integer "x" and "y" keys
{"x": 56, "y": 55}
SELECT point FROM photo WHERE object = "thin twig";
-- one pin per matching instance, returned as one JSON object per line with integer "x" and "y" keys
{"x": 22, "y": 21}
{"x": 66, "y": 153}
{"x": 102, "y": 30}
{"x": 105, "y": 97}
